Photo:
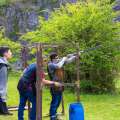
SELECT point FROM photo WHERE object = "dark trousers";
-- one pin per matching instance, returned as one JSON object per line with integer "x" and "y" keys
{"x": 56, "y": 100}
{"x": 24, "y": 96}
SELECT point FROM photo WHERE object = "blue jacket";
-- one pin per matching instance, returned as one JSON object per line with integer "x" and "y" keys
{"x": 28, "y": 79}
{"x": 30, "y": 73}
{"x": 53, "y": 65}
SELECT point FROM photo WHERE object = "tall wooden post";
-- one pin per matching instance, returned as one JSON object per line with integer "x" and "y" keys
{"x": 24, "y": 53}
{"x": 39, "y": 83}
{"x": 78, "y": 74}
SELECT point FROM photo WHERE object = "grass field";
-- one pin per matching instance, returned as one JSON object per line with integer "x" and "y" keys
{"x": 97, "y": 107}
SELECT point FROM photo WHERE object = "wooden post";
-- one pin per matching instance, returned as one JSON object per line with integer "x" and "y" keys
{"x": 39, "y": 83}
{"x": 78, "y": 74}
{"x": 24, "y": 53}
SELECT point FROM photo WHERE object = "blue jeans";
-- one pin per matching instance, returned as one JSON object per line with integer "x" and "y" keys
{"x": 56, "y": 100}
{"x": 24, "y": 96}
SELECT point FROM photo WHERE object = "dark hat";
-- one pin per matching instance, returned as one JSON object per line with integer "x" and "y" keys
{"x": 53, "y": 55}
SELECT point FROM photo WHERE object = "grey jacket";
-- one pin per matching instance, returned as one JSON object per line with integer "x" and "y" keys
{"x": 53, "y": 65}
{"x": 3, "y": 79}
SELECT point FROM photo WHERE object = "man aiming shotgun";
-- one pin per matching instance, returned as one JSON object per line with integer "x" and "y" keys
{"x": 55, "y": 72}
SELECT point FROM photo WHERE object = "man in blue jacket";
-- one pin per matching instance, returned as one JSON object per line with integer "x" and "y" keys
{"x": 27, "y": 90}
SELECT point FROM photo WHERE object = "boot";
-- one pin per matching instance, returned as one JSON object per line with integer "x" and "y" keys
{"x": 4, "y": 109}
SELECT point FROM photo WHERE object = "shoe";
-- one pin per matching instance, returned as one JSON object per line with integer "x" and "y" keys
{"x": 4, "y": 109}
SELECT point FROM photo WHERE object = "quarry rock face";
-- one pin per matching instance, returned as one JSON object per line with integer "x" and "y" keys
{"x": 20, "y": 17}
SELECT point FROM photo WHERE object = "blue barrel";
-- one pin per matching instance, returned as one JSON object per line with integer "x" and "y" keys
{"x": 76, "y": 111}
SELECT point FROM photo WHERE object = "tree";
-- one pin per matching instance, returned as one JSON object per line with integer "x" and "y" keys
{"x": 15, "y": 47}
{"x": 89, "y": 24}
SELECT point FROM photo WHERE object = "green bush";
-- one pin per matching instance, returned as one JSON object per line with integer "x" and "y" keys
{"x": 87, "y": 25}
{"x": 14, "y": 46}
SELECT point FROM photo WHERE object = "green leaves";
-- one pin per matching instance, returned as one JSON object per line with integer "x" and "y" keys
{"x": 89, "y": 24}
{"x": 14, "y": 46}
{"x": 4, "y": 41}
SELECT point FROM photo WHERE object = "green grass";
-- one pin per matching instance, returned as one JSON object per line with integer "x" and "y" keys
{"x": 97, "y": 107}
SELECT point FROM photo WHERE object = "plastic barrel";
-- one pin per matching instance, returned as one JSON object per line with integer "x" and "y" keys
{"x": 76, "y": 111}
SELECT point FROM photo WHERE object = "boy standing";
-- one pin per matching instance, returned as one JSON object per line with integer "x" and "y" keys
{"x": 5, "y": 55}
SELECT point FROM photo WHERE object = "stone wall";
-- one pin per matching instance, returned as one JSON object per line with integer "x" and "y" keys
{"x": 22, "y": 16}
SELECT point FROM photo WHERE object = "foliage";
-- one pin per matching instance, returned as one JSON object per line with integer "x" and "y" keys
{"x": 14, "y": 46}
{"x": 87, "y": 25}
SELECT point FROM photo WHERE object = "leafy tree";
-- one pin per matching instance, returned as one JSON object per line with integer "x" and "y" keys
{"x": 89, "y": 25}
{"x": 15, "y": 47}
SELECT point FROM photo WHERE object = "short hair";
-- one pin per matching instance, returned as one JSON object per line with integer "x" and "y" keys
{"x": 3, "y": 50}
{"x": 53, "y": 55}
